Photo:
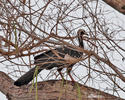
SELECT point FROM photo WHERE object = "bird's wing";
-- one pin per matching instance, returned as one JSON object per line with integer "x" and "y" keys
{"x": 56, "y": 55}
{"x": 50, "y": 59}
{"x": 72, "y": 52}
{"x": 42, "y": 54}
{"x": 49, "y": 56}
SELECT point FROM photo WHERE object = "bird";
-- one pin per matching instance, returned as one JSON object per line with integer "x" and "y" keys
{"x": 54, "y": 58}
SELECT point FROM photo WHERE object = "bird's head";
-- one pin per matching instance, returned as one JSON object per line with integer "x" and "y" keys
{"x": 81, "y": 35}
{"x": 81, "y": 32}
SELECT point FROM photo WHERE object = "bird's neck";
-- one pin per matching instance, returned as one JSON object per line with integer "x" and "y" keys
{"x": 81, "y": 43}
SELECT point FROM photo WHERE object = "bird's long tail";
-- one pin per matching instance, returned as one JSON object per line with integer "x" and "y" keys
{"x": 27, "y": 77}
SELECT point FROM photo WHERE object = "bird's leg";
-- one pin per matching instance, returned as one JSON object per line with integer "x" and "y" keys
{"x": 68, "y": 71}
{"x": 59, "y": 71}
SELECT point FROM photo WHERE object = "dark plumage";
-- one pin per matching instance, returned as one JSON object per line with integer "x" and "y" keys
{"x": 53, "y": 58}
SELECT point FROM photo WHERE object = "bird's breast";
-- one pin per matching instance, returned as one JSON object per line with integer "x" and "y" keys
{"x": 71, "y": 59}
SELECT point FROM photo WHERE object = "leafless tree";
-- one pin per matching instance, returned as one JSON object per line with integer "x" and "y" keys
{"x": 32, "y": 27}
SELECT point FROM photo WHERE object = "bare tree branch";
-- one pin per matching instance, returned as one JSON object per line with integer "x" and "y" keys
{"x": 57, "y": 89}
{"x": 119, "y": 5}
{"x": 31, "y": 28}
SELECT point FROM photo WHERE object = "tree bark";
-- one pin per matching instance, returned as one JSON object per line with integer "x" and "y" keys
{"x": 51, "y": 90}
{"x": 119, "y": 5}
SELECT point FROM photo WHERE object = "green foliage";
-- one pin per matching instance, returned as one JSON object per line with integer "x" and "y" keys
{"x": 35, "y": 82}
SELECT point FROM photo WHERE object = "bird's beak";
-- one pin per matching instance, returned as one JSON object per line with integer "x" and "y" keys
{"x": 85, "y": 36}
{"x": 85, "y": 33}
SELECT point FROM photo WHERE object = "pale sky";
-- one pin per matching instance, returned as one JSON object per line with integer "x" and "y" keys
{"x": 119, "y": 18}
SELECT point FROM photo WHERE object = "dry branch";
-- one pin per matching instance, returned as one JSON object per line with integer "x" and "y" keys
{"x": 119, "y": 5}
{"x": 29, "y": 28}
{"x": 52, "y": 89}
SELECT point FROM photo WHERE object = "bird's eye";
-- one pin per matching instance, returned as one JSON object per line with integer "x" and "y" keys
{"x": 82, "y": 33}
